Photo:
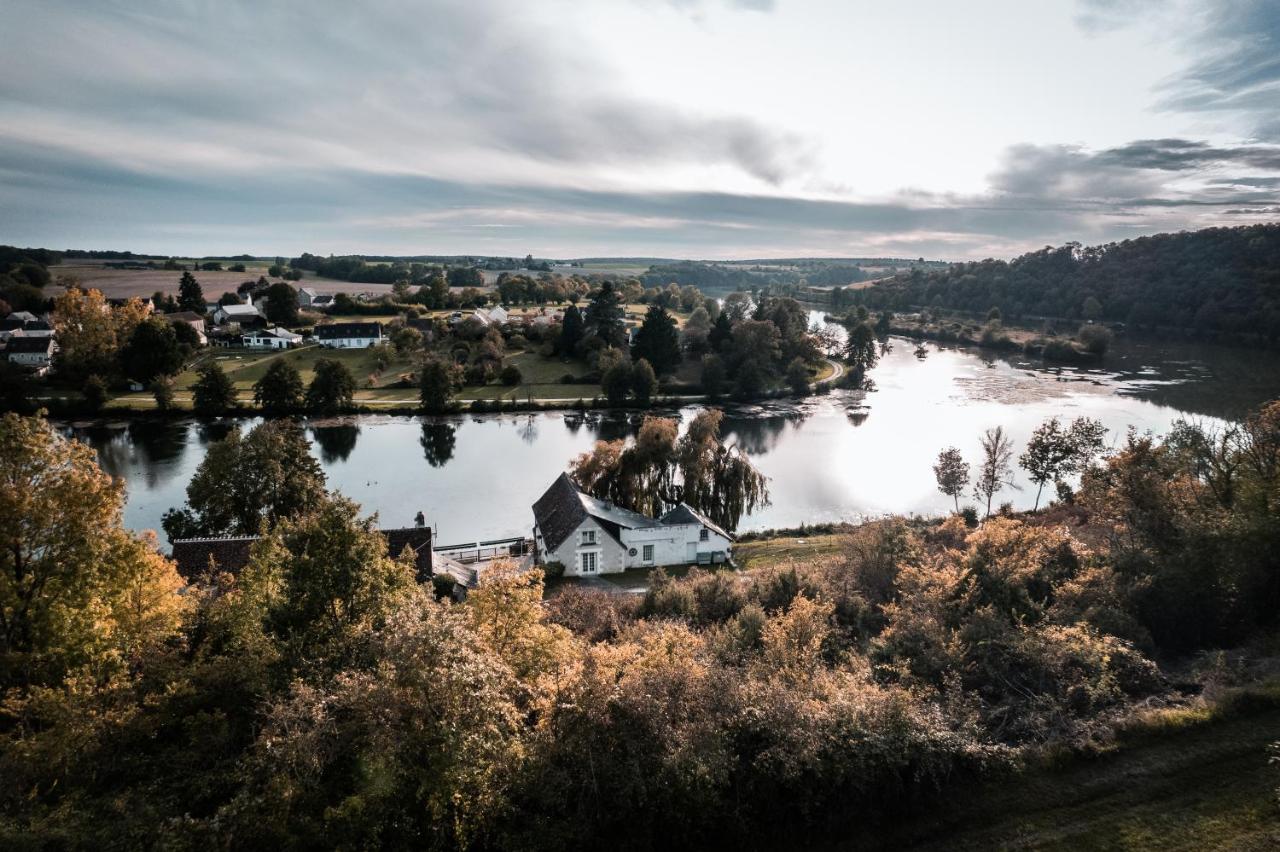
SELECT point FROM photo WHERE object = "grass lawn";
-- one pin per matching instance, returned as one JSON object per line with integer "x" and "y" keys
{"x": 759, "y": 554}
{"x": 1205, "y": 786}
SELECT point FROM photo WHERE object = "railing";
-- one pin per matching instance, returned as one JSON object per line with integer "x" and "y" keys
{"x": 483, "y": 551}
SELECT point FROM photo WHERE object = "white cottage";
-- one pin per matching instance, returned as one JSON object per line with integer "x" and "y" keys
{"x": 270, "y": 338}
{"x": 242, "y": 314}
{"x": 349, "y": 335}
{"x": 592, "y": 536}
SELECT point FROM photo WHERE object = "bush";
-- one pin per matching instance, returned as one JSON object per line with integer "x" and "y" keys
{"x": 95, "y": 392}
{"x": 1096, "y": 339}
{"x": 511, "y": 375}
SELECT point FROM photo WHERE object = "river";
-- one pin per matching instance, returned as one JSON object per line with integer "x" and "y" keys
{"x": 843, "y": 456}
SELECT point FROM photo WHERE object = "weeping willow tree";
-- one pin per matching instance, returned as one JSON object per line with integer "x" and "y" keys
{"x": 662, "y": 469}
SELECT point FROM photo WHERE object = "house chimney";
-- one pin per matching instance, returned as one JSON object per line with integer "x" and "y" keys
{"x": 420, "y": 520}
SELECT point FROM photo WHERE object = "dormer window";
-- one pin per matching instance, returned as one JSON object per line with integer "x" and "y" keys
{"x": 588, "y": 536}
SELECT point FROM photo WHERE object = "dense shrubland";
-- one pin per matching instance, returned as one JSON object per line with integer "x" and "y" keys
{"x": 323, "y": 697}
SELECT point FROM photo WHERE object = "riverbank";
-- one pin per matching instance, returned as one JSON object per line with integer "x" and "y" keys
{"x": 399, "y": 400}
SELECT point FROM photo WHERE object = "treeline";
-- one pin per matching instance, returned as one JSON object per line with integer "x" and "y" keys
{"x": 24, "y": 273}
{"x": 724, "y": 277}
{"x": 323, "y": 697}
{"x": 1221, "y": 283}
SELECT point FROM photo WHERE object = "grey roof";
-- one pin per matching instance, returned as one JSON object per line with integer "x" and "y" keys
{"x": 231, "y": 553}
{"x": 686, "y": 514}
{"x": 348, "y": 329}
{"x": 563, "y": 507}
{"x": 29, "y": 344}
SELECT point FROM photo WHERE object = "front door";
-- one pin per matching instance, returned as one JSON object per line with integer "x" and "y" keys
{"x": 691, "y": 552}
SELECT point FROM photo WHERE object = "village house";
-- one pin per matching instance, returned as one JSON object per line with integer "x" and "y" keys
{"x": 349, "y": 335}
{"x": 35, "y": 353}
{"x": 591, "y": 536}
{"x": 306, "y": 297}
{"x": 241, "y": 314}
{"x": 194, "y": 556}
{"x": 24, "y": 324}
{"x": 193, "y": 319}
{"x": 270, "y": 338}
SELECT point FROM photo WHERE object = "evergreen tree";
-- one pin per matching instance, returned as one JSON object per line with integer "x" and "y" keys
{"x": 605, "y": 315}
{"x": 657, "y": 341}
{"x": 571, "y": 331}
{"x": 151, "y": 351}
{"x": 281, "y": 304}
{"x": 721, "y": 332}
{"x": 190, "y": 296}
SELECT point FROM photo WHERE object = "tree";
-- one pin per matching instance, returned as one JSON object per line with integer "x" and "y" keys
{"x": 644, "y": 382}
{"x": 713, "y": 375}
{"x": 76, "y": 588}
{"x": 995, "y": 471}
{"x": 212, "y": 393}
{"x": 90, "y": 333}
{"x": 798, "y": 377}
{"x": 190, "y": 294}
{"x": 162, "y": 390}
{"x": 406, "y": 340}
{"x": 697, "y": 330}
{"x": 952, "y": 474}
{"x": 511, "y": 375}
{"x": 860, "y": 351}
{"x": 332, "y": 387}
{"x": 660, "y": 471}
{"x": 438, "y": 381}
{"x": 571, "y": 331}
{"x": 657, "y": 341}
{"x": 605, "y": 315}
{"x": 721, "y": 332}
{"x": 152, "y": 351}
{"x": 1095, "y": 338}
{"x": 616, "y": 382}
{"x": 95, "y": 392}
{"x": 281, "y": 304}
{"x": 280, "y": 388}
{"x": 1054, "y": 452}
{"x": 245, "y": 481}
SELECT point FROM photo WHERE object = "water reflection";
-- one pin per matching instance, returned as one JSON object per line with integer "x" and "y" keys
{"x": 437, "y": 441}
{"x": 826, "y": 457}
{"x": 336, "y": 441}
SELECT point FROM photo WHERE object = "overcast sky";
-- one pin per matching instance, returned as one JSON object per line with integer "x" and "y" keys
{"x": 674, "y": 128}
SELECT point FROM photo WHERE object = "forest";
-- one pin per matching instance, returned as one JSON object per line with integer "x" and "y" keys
{"x": 1218, "y": 284}
{"x": 322, "y": 696}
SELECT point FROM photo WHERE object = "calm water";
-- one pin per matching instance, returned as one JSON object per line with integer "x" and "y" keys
{"x": 844, "y": 456}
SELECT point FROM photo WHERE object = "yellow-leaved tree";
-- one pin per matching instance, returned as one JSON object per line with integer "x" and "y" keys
{"x": 77, "y": 590}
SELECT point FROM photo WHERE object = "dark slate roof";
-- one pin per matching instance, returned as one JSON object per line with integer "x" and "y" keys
{"x": 11, "y": 324}
{"x": 228, "y": 553}
{"x": 563, "y": 507}
{"x": 417, "y": 539}
{"x": 29, "y": 344}
{"x": 231, "y": 553}
{"x": 349, "y": 329}
{"x": 559, "y": 511}
{"x": 686, "y": 514}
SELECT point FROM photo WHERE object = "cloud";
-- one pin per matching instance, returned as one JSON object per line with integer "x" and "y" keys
{"x": 1097, "y": 16}
{"x": 434, "y": 86}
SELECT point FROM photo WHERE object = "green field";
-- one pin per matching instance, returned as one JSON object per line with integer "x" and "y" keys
{"x": 1206, "y": 786}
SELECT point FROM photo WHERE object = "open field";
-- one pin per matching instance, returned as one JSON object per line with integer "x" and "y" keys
{"x": 121, "y": 283}
{"x": 1206, "y": 786}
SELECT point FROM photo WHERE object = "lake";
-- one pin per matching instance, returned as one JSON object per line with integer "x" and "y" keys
{"x": 844, "y": 456}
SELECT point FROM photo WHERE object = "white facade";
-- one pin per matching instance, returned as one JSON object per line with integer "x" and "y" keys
{"x": 271, "y": 338}
{"x": 350, "y": 342}
{"x": 590, "y": 536}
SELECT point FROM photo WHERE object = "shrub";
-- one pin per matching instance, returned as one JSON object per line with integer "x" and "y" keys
{"x": 511, "y": 375}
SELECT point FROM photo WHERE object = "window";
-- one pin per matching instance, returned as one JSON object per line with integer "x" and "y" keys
{"x": 588, "y": 536}
{"x": 704, "y": 534}
{"x": 648, "y": 553}
{"x": 589, "y": 563}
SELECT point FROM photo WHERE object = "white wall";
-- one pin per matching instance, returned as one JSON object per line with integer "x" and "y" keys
{"x": 351, "y": 342}
{"x": 610, "y": 556}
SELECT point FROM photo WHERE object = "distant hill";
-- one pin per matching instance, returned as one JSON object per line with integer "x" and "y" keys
{"x": 1219, "y": 283}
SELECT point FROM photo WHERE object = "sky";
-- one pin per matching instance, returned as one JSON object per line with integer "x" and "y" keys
{"x": 635, "y": 128}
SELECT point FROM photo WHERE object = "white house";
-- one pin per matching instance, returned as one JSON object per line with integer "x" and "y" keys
{"x": 592, "y": 536}
{"x": 242, "y": 314}
{"x": 33, "y": 352}
{"x": 270, "y": 338}
{"x": 306, "y": 297}
{"x": 498, "y": 314}
{"x": 349, "y": 335}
